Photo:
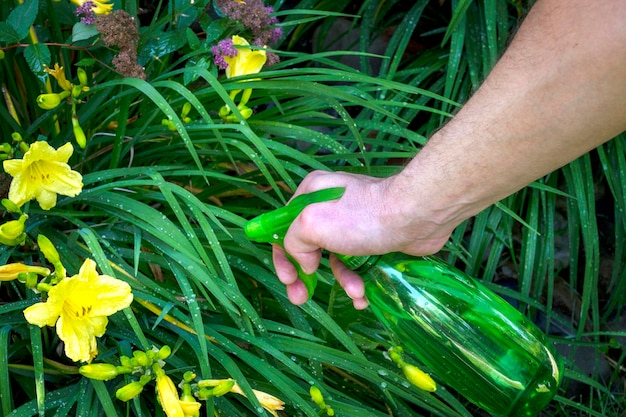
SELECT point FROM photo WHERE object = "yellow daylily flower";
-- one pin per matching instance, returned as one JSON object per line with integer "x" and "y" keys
{"x": 247, "y": 61}
{"x": 79, "y": 307}
{"x": 99, "y": 6}
{"x": 43, "y": 173}
{"x": 58, "y": 73}
{"x": 12, "y": 271}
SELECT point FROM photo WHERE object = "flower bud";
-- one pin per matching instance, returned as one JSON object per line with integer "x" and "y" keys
{"x": 49, "y": 251}
{"x": 79, "y": 134}
{"x": 129, "y": 391}
{"x": 185, "y": 111}
{"x": 141, "y": 358}
{"x": 419, "y": 378}
{"x": 127, "y": 362}
{"x": 82, "y": 76}
{"x": 9, "y": 272}
{"x": 190, "y": 408}
{"x": 12, "y": 232}
{"x": 164, "y": 352}
{"x": 10, "y": 206}
{"x": 16, "y": 136}
{"x": 223, "y": 388}
{"x": 50, "y": 100}
{"x": 76, "y": 90}
{"x": 316, "y": 396}
{"x": 167, "y": 395}
{"x": 189, "y": 376}
{"x": 246, "y": 112}
{"x": 99, "y": 371}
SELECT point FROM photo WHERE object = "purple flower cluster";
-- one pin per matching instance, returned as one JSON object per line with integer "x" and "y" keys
{"x": 256, "y": 17}
{"x": 224, "y": 48}
{"x": 86, "y": 10}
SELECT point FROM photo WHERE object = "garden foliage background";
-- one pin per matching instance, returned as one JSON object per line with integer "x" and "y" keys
{"x": 165, "y": 197}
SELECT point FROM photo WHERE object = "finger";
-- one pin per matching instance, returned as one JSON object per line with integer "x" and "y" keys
{"x": 360, "y": 303}
{"x": 303, "y": 248}
{"x": 350, "y": 281}
{"x": 285, "y": 270}
{"x": 297, "y": 293}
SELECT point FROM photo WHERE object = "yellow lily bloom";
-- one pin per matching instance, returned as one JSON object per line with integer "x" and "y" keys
{"x": 99, "y": 6}
{"x": 247, "y": 61}
{"x": 12, "y": 271}
{"x": 79, "y": 307}
{"x": 58, "y": 73}
{"x": 43, "y": 173}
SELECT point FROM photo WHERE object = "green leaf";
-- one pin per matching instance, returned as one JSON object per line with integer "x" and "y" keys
{"x": 37, "y": 56}
{"x": 23, "y": 17}
{"x": 162, "y": 44}
{"x": 81, "y": 32}
{"x": 8, "y": 34}
{"x": 192, "y": 39}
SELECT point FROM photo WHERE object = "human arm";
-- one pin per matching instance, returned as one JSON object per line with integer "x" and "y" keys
{"x": 558, "y": 92}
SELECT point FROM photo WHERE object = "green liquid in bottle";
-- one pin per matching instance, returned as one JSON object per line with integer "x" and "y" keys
{"x": 468, "y": 337}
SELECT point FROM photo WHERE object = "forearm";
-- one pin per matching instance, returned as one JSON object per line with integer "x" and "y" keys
{"x": 559, "y": 91}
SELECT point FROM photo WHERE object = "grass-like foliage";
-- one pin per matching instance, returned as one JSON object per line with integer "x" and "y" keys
{"x": 174, "y": 161}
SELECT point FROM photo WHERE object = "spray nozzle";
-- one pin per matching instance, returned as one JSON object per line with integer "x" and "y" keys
{"x": 272, "y": 226}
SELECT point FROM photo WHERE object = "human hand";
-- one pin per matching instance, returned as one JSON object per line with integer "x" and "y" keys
{"x": 371, "y": 218}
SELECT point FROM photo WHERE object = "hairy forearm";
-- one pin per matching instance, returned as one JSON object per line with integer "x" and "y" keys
{"x": 558, "y": 92}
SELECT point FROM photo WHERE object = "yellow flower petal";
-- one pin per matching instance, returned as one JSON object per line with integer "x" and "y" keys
{"x": 168, "y": 396}
{"x": 43, "y": 314}
{"x": 80, "y": 307}
{"x": 99, "y": 6}
{"x": 43, "y": 173}
{"x": 247, "y": 61}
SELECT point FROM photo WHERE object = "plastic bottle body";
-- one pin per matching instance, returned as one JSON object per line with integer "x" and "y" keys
{"x": 469, "y": 337}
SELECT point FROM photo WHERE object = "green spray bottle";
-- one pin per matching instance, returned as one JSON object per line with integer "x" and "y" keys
{"x": 467, "y": 336}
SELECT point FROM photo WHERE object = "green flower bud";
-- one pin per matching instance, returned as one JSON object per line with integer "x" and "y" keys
{"x": 218, "y": 387}
{"x": 99, "y": 371}
{"x": 129, "y": 391}
{"x": 127, "y": 362}
{"x": 223, "y": 388}
{"x": 50, "y": 100}
{"x": 316, "y": 396}
{"x": 76, "y": 90}
{"x": 189, "y": 376}
{"x": 49, "y": 251}
{"x": 1, "y": 54}
{"x": 82, "y": 76}
{"x": 164, "y": 352}
{"x": 246, "y": 112}
{"x": 79, "y": 134}
{"x": 224, "y": 111}
{"x": 10, "y": 206}
{"x": 12, "y": 232}
{"x": 142, "y": 358}
{"x": 186, "y": 110}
